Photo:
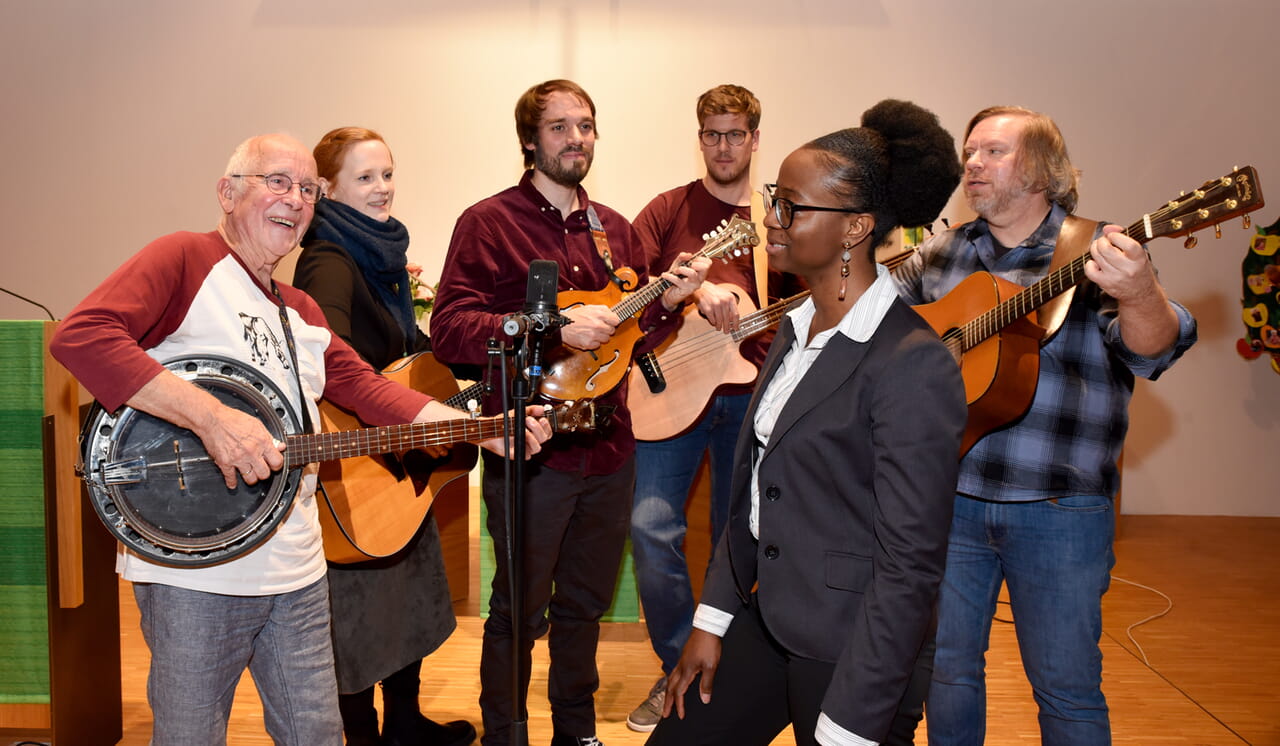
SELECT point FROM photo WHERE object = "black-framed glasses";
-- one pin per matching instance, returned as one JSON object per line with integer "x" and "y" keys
{"x": 281, "y": 184}
{"x": 711, "y": 138}
{"x": 785, "y": 210}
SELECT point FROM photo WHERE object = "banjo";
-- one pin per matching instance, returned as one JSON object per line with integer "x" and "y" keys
{"x": 159, "y": 492}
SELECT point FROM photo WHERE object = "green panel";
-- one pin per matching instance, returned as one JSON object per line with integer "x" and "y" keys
{"x": 24, "y": 635}
{"x": 22, "y": 486}
{"x": 24, "y": 645}
{"x": 22, "y": 560}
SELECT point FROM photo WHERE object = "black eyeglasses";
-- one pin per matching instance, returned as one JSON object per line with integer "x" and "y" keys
{"x": 281, "y": 184}
{"x": 785, "y": 210}
{"x": 711, "y": 138}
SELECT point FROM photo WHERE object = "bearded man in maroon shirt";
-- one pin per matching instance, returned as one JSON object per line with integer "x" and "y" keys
{"x": 578, "y": 489}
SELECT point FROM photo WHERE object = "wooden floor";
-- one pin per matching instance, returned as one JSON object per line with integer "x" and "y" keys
{"x": 1215, "y": 657}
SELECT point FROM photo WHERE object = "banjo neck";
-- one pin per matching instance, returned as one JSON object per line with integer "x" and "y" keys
{"x": 317, "y": 447}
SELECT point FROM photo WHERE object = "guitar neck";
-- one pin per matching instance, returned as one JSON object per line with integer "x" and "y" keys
{"x": 317, "y": 447}
{"x": 1035, "y": 295}
{"x": 459, "y": 400}
{"x": 757, "y": 322}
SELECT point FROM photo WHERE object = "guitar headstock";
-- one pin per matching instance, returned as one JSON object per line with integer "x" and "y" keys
{"x": 581, "y": 416}
{"x": 732, "y": 237}
{"x": 1226, "y": 197}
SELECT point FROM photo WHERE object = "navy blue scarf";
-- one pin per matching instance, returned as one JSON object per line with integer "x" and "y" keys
{"x": 379, "y": 250}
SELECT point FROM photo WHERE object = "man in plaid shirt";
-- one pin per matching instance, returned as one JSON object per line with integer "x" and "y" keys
{"x": 1034, "y": 499}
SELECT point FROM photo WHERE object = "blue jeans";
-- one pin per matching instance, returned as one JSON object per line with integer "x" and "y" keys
{"x": 665, "y": 471}
{"x": 1056, "y": 557}
{"x": 202, "y": 642}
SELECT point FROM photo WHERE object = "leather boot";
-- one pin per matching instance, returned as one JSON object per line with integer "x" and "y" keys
{"x": 359, "y": 719}
{"x": 403, "y": 723}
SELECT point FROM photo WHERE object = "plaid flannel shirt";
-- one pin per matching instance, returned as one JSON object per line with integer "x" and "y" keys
{"x": 1068, "y": 441}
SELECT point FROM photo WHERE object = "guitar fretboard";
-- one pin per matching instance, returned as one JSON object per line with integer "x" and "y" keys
{"x": 474, "y": 392}
{"x": 1234, "y": 194}
{"x": 1040, "y": 292}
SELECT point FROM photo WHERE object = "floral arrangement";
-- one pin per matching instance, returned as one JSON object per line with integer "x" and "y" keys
{"x": 424, "y": 295}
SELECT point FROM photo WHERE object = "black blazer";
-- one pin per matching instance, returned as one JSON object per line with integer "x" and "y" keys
{"x": 856, "y": 493}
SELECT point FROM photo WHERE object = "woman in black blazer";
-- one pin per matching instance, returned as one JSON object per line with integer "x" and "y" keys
{"x": 822, "y": 589}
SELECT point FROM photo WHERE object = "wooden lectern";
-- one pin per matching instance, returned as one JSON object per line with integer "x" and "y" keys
{"x": 60, "y": 638}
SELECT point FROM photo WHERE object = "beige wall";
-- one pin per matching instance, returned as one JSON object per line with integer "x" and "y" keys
{"x": 120, "y": 116}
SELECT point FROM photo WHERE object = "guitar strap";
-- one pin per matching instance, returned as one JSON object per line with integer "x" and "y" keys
{"x": 760, "y": 256}
{"x": 293, "y": 356}
{"x": 1073, "y": 241}
{"x": 602, "y": 245}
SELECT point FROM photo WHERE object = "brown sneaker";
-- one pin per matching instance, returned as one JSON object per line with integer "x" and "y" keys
{"x": 645, "y": 718}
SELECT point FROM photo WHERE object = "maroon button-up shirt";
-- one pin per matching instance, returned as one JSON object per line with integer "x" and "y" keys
{"x": 486, "y": 275}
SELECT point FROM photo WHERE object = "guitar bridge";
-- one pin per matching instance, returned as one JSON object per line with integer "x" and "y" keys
{"x": 652, "y": 372}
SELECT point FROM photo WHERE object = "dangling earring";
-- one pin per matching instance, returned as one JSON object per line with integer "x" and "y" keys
{"x": 844, "y": 268}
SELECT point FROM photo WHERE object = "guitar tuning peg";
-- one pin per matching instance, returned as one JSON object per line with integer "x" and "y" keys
{"x": 1190, "y": 243}
{"x": 1217, "y": 231}
{"x": 1248, "y": 221}
{"x": 706, "y": 236}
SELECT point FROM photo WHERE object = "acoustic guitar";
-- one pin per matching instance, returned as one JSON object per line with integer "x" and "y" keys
{"x": 573, "y": 374}
{"x": 697, "y": 359}
{"x": 990, "y": 326}
{"x": 694, "y": 362}
{"x": 354, "y": 486}
{"x": 377, "y": 503}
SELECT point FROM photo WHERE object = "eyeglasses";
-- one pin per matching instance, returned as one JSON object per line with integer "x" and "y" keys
{"x": 282, "y": 184}
{"x": 711, "y": 138}
{"x": 785, "y": 210}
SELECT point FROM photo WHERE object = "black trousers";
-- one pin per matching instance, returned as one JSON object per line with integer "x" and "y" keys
{"x": 760, "y": 688}
{"x": 574, "y": 533}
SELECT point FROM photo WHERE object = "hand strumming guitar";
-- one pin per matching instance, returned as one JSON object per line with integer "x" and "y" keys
{"x": 589, "y": 327}
{"x": 718, "y": 305}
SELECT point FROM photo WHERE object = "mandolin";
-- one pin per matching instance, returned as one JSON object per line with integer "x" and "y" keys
{"x": 573, "y": 374}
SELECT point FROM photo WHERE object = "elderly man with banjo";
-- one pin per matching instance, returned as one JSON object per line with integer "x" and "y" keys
{"x": 201, "y": 457}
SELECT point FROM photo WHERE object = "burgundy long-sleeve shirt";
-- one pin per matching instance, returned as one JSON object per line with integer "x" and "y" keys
{"x": 486, "y": 275}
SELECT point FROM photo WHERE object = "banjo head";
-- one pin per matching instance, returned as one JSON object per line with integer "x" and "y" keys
{"x": 157, "y": 490}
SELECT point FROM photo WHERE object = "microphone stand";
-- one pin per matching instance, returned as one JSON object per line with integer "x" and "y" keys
{"x": 526, "y": 354}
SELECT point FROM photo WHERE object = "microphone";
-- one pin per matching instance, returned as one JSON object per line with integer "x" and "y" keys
{"x": 541, "y": 312}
